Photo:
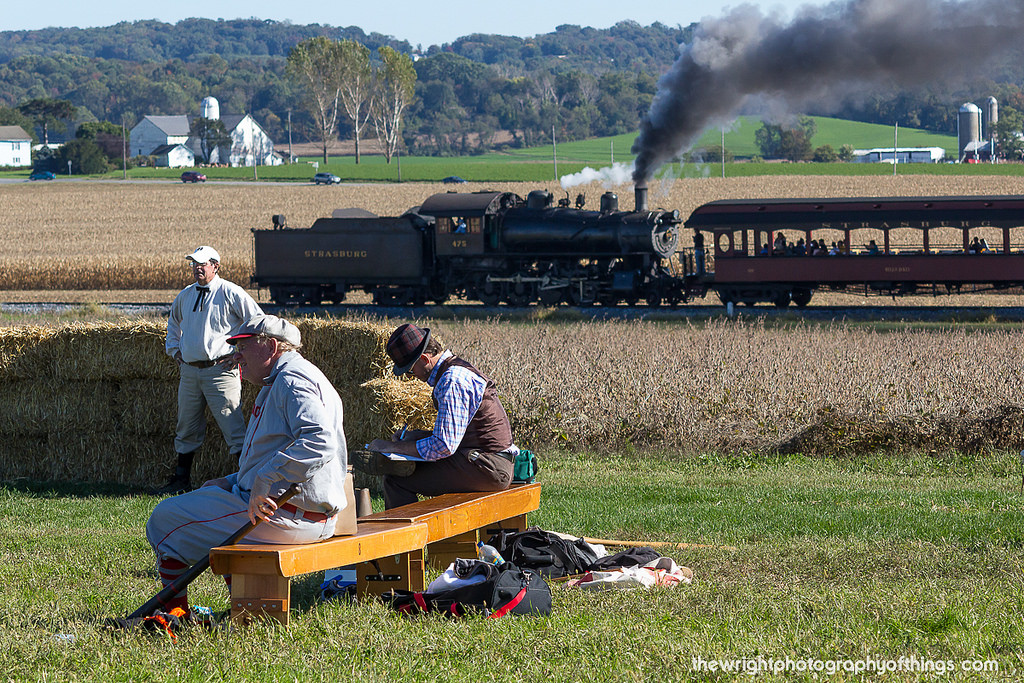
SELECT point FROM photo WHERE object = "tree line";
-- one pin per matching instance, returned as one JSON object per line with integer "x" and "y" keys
{"x": 478, "y": 93}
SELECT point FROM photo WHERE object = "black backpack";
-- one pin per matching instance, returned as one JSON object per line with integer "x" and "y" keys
{"x": 507, "y": 589}
{"x": 543, "y": 551}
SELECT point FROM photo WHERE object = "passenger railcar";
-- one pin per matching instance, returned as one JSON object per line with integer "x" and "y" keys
{"x": 884, "y": 245}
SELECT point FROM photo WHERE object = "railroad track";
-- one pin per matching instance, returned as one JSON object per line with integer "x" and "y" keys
{"x": 817, "y": 313}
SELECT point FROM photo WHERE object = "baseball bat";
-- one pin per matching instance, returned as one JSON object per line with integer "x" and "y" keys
{"x": 654, "y": 544}
{"x": 192, "y": 573}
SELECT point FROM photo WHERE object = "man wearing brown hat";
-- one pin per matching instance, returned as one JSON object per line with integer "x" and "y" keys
{"x": 294, "y": 436}
{"x": 470, "y": 448}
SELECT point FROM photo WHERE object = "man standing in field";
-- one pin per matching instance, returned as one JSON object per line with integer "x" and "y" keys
{"x": 471, "y": 446}
{"x": 203, "y": 316}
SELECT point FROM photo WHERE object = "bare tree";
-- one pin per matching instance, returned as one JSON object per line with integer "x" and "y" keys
{"x": 396, "y": 84}
{"x": 315, "y": 64}
{"x": 356, "y": 80}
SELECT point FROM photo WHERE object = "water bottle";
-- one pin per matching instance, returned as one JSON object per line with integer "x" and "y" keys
{"x": 487, "y": 553}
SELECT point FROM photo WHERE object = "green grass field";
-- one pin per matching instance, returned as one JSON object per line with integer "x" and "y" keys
{"x": 838, "y": 563}
{"x": 539, "y": 163}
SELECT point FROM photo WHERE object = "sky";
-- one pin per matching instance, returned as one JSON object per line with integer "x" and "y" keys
{"x": 421, "y": 23}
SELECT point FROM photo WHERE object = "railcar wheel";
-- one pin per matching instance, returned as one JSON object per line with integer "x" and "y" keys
{"x": 802, "y": 296}
{"x": 551, "y": 296}
{"x": 781, "y": 299}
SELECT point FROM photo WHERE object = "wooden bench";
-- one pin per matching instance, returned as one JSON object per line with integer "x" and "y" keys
{"x": 389, "y": 549}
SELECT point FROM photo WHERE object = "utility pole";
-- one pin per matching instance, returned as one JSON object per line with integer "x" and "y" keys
{"x": 723, "y": 151}
{"x": 554, "y": 151}
{"x": 895, "y": 145}
{"x": 124, "y": 152}
{"x": 290, "y": 158}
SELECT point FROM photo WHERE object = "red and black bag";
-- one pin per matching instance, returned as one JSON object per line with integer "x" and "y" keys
{"x": 507, "y": 589}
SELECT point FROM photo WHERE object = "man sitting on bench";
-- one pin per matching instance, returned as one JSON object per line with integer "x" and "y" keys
{"x": 294, "y": 436}
{"x": 471, "y": 446}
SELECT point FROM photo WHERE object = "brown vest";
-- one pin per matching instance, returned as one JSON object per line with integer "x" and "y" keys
{"x": 489, "y": 430}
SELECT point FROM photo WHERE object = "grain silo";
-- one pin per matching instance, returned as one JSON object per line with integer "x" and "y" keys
{"x": 991, "y": 117}
{"x": 209, "y": 108}
{"x": 968, "y": 127}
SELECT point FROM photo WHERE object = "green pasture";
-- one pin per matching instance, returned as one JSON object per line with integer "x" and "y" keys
{"x": 546, "y": 162}
{"x": 830, "y": 561}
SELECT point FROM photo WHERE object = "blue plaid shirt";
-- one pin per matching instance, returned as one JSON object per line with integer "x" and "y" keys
{"x": 459, "y": 393}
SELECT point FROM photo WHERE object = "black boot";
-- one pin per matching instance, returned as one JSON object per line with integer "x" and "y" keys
{"x": 181, "y": 481}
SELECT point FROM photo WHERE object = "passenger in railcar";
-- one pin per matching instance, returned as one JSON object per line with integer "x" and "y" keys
{"x": 834, "y": 250}
{"x": 975, "y": 247}
{"x": 799, "y": 249}
{"x": 984, "y": 247}
{"x": 780, "y": 245}
{"x": 872, "y": 247}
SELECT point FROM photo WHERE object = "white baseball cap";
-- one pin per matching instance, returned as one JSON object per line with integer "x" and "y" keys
{"x": 204, "y": 255}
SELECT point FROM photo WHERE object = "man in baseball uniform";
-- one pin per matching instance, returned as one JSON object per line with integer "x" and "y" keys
{"x": 203, "y": 316}
{"x": 294, "y": 436}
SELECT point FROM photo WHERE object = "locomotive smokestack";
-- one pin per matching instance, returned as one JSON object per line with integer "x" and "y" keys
{"x": 641, "y": 196}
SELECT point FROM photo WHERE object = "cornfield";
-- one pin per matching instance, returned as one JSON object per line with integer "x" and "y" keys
{"x": 112, "y": 235}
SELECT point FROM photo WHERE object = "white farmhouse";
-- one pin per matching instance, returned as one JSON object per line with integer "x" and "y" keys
{"x": 15, "y": 146}
{"x": 250, "y": 144}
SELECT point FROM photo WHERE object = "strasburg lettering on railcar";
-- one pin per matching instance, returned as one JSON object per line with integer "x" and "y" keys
{"x": 333, "y": 253}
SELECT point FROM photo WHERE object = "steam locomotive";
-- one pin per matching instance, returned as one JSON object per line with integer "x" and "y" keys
{"x": 493, "y": 247}
{"x": 496, "y": 247}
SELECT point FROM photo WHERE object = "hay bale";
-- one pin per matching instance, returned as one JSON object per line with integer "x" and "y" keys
{"x": 98, "y": 402}
{"x": 79, "y": 352}
{"x": 45, "y": 406}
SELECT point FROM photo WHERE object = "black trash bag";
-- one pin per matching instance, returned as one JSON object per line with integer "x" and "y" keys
{"x": 543, "y": 551}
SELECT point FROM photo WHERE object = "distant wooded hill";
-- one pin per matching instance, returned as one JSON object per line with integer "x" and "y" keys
{"x": 474, "y": 94}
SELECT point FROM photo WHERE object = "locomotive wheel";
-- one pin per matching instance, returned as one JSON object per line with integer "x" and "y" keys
{"x": 519, "y": 294}
{"x": 552, "y": 296}
{"x": 653, "y": 298}
{"x": 802, "y": 296}
{"x": 489, "y": 294}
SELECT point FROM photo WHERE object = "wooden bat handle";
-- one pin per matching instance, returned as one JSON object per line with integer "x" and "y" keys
{"x": 653, "y": 544}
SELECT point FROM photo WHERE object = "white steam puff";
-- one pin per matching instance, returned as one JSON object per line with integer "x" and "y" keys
{"x": 616, "y": 174}
{"x": 825, "y": 55}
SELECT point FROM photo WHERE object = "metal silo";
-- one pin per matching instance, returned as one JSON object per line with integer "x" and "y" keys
{"x": 991, "y": 117}
{"x": 968, "y": 127}
{"x": 209, "y": 108}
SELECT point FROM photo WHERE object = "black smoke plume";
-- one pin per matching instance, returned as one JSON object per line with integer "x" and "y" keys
{"x": 820, "y": 57}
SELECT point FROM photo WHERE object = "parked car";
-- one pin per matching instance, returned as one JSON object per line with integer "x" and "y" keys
{"x": 326, "y": 179}
{"x": 193, "y": 177}
{"x": 454, "y": 180}
{"x": 42, "y": 175}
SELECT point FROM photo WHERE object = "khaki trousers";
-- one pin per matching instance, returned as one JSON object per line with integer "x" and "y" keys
{"x": 221, "y": 390}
